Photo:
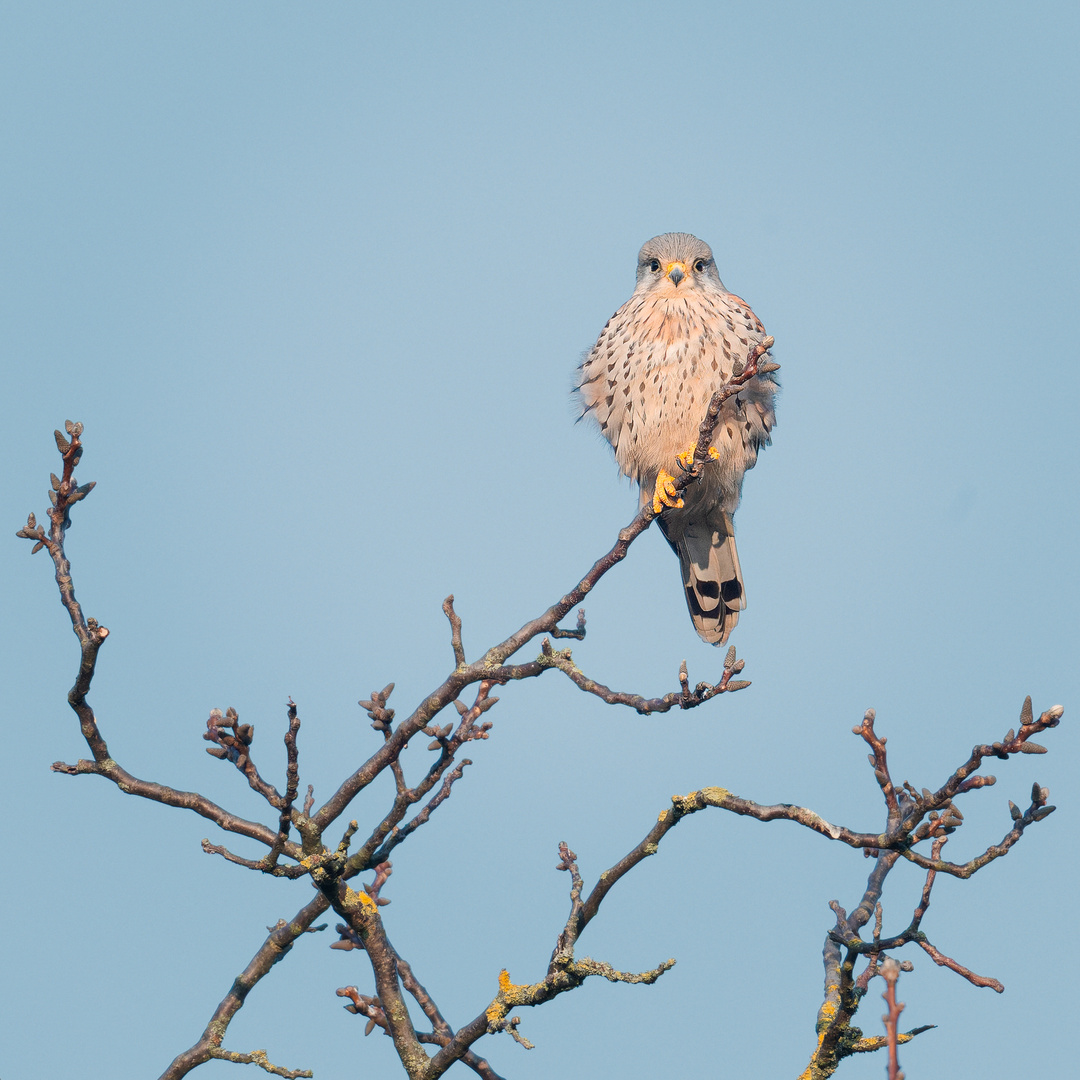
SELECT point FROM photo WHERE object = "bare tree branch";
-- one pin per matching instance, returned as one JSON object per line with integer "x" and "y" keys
{"x": 912, "y": 817}
{"x": 277, "y": 944}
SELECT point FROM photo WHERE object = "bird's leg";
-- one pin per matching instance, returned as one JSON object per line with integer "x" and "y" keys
{"x": 685, "y": 460}
{"x": 666, "y": 494}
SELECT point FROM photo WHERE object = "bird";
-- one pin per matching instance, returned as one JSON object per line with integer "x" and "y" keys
{"x": 647, "y": 383}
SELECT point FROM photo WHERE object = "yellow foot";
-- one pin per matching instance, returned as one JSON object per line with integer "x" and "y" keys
{"x": 666, "y": 493}
{"x": 686, "y": 458}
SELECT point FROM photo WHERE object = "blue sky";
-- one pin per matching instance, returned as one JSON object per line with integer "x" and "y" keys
{"x": 316, "y": 279}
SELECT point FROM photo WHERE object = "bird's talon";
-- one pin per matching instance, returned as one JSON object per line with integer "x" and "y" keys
{"x": 685, "y": 460}
{"x": 665, "y": 494}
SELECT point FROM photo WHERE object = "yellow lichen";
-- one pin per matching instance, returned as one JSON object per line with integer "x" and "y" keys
{"x": 715, "y": 795}
{"x": 497, "y": 1009}
{"x": 352, "y": 898}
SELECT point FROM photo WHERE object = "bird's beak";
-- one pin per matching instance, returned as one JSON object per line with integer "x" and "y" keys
{"x": 676, "y": 271}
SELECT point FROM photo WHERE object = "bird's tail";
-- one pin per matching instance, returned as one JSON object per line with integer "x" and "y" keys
{"x": 711, "y": 574}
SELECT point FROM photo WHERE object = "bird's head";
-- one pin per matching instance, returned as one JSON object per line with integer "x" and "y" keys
{"x": 676, "y": 263}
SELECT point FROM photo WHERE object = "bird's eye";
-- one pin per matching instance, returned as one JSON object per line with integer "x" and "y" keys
{"x": 654, "y": 265}
{"x": 700, "y": 265}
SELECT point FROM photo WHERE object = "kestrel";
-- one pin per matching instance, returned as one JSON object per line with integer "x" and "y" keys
{"x": 647, "y": 382}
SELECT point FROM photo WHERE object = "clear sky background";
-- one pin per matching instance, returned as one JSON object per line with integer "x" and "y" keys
{"x": 316, "y": 278}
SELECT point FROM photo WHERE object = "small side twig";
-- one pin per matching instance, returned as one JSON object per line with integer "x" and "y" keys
{"x": 683, "y": 698}
{"x": 578, "y": 632}
{"x": 890, "y": 972}
{"x": 455, "y": 630}
{"x": 292, "y": 787}
{"x": 880, "y": 765}
{"x": 258, "y": 1057}
{"x": 232, "y": 742}
{"x": 942, "y": 960}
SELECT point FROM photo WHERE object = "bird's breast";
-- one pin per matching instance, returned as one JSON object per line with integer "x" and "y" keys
{"x": 649, "y": 378}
